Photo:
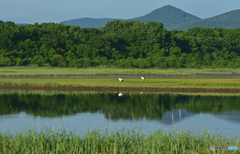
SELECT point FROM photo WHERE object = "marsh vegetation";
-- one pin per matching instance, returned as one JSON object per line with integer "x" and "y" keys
{"x": 111, "y": 142}
{"x": 130, "y": 107}
{"x": 205, "y": 83}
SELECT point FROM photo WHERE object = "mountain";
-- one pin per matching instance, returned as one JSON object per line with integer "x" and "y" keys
{"x": 228, "y": 20}
{"x": 168, "y": 15}
{"x": 22, "y": 24}
{"x": 172, "y": 18}
{"x": 89, "y": 22}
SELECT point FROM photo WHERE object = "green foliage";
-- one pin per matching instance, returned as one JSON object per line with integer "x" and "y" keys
{"x": 116, "y": 142}
{"x": 125, "y": 44}
{"x": 57, "y": 60}
{"x": 38, "y": 59}
{"x": 4, "y": 61}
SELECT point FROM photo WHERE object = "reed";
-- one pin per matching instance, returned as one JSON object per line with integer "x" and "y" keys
{"x": 205, "y": 83}
{"x": 48, "y": 141}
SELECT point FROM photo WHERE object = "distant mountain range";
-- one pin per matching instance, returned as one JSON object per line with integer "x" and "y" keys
{"x": 228, "y": 20}
{"x": 89, "y": 22}
{"x": 168, "y": 15}
{"x": 172, "y": 18}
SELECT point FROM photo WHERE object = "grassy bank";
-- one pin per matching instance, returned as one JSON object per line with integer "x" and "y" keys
{"x": 50, "y": 93}
{"x": 113, "y": 142}
{"x": 97, "y": 71}
{"x": 205, "y": 83}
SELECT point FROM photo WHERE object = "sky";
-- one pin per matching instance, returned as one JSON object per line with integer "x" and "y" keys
{"x": 31, "y": 11}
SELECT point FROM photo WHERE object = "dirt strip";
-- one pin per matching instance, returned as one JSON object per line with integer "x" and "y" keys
{"x": 187, "y": 90}
{"x": 114, "y": 74}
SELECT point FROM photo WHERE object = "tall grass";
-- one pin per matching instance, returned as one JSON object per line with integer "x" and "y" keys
{"x": 98, "y": 71}
{"x": 206, "y": 83}
{"x": 96, "y": 141}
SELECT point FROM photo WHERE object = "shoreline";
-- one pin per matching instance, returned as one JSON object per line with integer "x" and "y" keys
{"x": 118, "y": 89}
{"x": 193, "y": 74}
{"x": 129, "y": 84}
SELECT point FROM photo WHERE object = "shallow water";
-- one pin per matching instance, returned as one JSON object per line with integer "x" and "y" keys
{"x": 79, "y": 112}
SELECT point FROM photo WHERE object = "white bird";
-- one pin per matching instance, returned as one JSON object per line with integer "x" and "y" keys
{"x": 120, "y": 79}
{"x": 120, "y": 94}
{"x": 142, "y": 77}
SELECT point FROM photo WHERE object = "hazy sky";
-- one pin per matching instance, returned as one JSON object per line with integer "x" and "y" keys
{"x": 31, "y": 11}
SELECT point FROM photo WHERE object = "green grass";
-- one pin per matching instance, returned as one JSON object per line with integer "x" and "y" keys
{"x": 206, "y": 83}
{"x": 96, "y": 71}
{"x": 113, "y": 142}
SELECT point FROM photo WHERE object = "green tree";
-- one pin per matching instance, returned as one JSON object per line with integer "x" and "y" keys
{"x": 57, "y": 60}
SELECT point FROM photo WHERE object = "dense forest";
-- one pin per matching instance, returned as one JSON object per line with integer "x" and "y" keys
{"x": 150, "y": 106}
{"x": 125, "y": 44}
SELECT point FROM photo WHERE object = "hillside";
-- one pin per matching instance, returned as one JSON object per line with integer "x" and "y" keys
{"x": 229, "y": 20}
{"x": 89, "y": 22}
{"x": 168, "y": 15}
{"x": 22, "y": 24}
{"x": 172, "y": 18}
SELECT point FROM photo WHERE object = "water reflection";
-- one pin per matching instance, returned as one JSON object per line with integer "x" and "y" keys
{"x": 150, "y": 106}
{"x": 120, "y": 94}
{"x": 81, "y": 111}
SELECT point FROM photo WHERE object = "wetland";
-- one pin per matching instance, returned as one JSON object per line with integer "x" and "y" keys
{"x": 77, "y": 111}
{"x": 86, "y": 122}
{"x": 202, "y": 109}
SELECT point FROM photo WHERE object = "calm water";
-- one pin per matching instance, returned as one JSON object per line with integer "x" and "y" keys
{"x": 79, "y": 112}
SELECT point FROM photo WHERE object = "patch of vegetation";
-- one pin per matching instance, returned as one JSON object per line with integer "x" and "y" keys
{"x": 112, "y": 142}
{"x": 205, "y": 83}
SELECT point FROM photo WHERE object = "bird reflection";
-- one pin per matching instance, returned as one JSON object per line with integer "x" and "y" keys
{"x": 120, "y": 94}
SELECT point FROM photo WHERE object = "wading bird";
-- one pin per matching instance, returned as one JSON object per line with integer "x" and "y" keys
{"x": 120, "y": 79}
{"x": 142, "y": 77}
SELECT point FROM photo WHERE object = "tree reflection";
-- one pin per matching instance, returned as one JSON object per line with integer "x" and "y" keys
{"x": 151, "y": 106}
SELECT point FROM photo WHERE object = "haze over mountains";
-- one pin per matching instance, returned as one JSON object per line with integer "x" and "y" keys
{"x": 172, "y": 18}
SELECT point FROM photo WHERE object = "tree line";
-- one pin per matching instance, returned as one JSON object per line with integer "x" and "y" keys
{"x": 124, "y": 44}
